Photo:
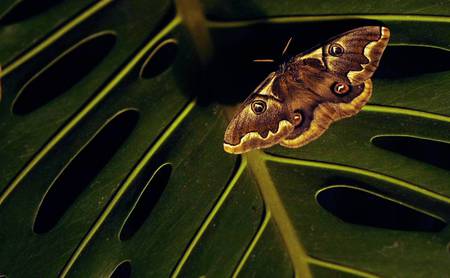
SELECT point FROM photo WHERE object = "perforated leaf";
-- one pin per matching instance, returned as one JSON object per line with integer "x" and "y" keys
{"x": 112, "y": 118}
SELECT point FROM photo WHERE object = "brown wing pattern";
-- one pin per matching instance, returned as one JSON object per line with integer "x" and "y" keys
{"x": 298, "y": 103}
{"x": 354, "y": 55}
{"x": 349, "y": 59}
{"x": 322, "y": 115}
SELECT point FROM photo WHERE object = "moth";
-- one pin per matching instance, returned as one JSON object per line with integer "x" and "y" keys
{"x": 297, "y": 103}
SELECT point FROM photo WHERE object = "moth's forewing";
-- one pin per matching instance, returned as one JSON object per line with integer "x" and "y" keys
{"x": 252, "y": 129}
{"x": 363, "y": 48}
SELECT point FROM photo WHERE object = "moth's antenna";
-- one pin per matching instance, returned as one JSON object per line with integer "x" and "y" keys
{"x": 272, "y": 60}
{"x": 286, "y": 47}
{"x": 263, "y": 60}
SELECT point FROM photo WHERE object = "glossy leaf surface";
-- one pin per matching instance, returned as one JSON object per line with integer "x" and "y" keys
{"x": 115, "y": 167}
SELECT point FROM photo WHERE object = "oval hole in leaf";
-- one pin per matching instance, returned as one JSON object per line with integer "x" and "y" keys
{"x": 64, "y": 72}
{"x": 409, "y": 60}
{"x": 24, "y": 9}
{"x": 123, "y": 270}
{"x": 146, "y": 201}
{"x": 430, "y": 151}
{"x": 160, "y": 59}
{"x": 359, "y": 206}
{"x": 83, "y": 168}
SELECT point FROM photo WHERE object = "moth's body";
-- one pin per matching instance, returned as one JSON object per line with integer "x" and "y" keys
{"x": 297, "y": 103}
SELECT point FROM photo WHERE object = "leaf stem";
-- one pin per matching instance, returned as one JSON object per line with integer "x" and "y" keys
{"x": 272, "y": 199}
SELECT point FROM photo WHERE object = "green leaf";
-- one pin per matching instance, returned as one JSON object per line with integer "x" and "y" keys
{"x": 112, "y": 120}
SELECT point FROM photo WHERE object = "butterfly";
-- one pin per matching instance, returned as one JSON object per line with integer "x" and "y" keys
{"x": 297, "y": 103}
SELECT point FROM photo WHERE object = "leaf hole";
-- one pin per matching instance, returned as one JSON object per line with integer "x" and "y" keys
{"x": 430, "y": 151}
{"x": 400, "y": 61}
{"x": 359, "y": 206}
{"x": 146, "y": 201}
{"x": 160, "y": 59}
{"x": 83, "y": 168}
{"x": 24, "y": 9}
{"x": 64, "y": 72}
{"x": 122, "y": 270}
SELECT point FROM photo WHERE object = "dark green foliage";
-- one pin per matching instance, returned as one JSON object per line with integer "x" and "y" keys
{"x": 111, "y": 145}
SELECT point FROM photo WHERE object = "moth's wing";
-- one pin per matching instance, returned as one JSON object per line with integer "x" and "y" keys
{"x": 249, "y": 130}
{"x": 318, "y": 116}
{"x": 321, "y": 69}
{"x": 306, "y": 87}
{"x": 362, "y": 50}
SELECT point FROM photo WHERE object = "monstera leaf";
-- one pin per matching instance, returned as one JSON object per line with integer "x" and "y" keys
{"x": 112, "y": 120}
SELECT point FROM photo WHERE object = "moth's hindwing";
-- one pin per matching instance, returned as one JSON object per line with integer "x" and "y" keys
{"x": 324, "y": 114}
